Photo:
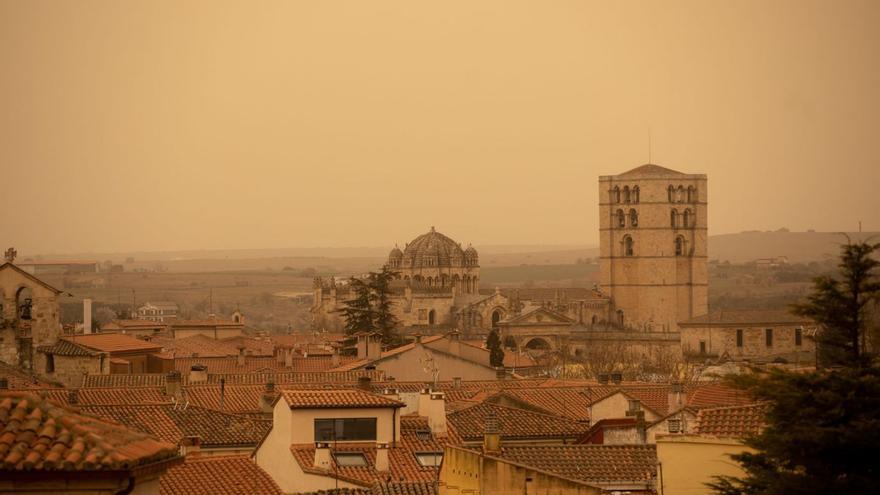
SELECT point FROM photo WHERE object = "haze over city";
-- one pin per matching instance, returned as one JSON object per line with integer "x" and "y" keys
{"x": 222, "y": 124}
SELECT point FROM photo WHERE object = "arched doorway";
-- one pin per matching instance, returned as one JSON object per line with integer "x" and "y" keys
{"x": 431, "y": 316}
{"x": 538, "y": 344}
{"x": 496, "y": 317}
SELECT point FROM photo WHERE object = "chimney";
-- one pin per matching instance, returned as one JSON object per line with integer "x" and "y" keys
{"x": 239, "y": 360}
{"x": 362, "y": 345}
{"x": 382, "y": 464}
{"x": 364, "y": 383}
{"x": 322, "y": 455}
{"x": 374, "y": 346}
{"x": 73, "y": 397}
{"x": 334, "y": 357}
{"x": 676, "y": 399}
{"x": 288, "y": 357}
{"x": 456, "y": 383}
{"x": 418, "y": 338}
{"x": 616, "y": 378}
{"x": 172, "y": 383}
{"x": 267, "y": 398}
{"x": 424, "y": 397}
{"x": 190, "y": 445}
{"x": 391, "y": 393}
{"x": 492, "y": 435}
{"x": 198, "y": 373}
{"x": 87, "y": 316}
{"x": 436, "y": 413}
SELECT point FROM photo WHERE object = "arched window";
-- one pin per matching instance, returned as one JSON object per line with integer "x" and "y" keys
{"x": 680, "y": 194}
{"x": 692, "y": 194}
{"x": 621, "y": 219}
{"x": 628, "y": 245}
{"x": 615, "y": 195}
{"x": 635, "y": 194}
{"x": 673, "y": 218}
{"x": 686, "y": 219}
{"x": 633, "y": 218}
{"x": 626, "y": 195}
{"x": 620, "y": 319}
{"x": 679, "y": 246}
{"x": 671, "y": 191}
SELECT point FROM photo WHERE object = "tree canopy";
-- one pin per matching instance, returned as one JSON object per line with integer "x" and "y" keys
{"x": 370, "y": 308}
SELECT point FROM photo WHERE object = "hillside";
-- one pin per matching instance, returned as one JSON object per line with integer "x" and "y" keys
{"x": 796, "y": 246}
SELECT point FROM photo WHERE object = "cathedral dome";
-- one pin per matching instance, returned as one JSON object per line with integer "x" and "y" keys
{"x": 396, "y": 253}
{"x": 433, "y": 249}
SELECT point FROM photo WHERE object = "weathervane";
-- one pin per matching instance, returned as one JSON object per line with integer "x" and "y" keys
{"x": 10, "y": 254}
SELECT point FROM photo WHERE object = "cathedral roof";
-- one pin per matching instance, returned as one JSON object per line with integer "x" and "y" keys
{"x": 433, "y": 245}
{"x": 651, "y": 169}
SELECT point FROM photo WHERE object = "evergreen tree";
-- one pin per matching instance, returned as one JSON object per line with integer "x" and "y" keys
{"x": 496, "y": 353}
{"x": 840, "y": 307}
{"x": 384, "y": 320}
{"x": 358, "y": 311}
{"x": 822, "y": 435}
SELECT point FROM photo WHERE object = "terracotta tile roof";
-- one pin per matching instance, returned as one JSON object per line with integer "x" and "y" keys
{"x": 514, "y": 424}
{"x": 595, "y": 464}
{"x": 223, "y": 365}
{"x": 347, "y": 398}
{"x": 136, "y": 324}
{"x": 39, "y": 435}
{"x": 217, "y": 475}
{"x": 237, "y": 399}
{"x": 747, "y": 317}
{"x": 717, "y": 394}
{"x": 300, "y": 377}
{"x": 16, "y": 378}
{"x": 732, "y": 421}
{"x": 124, "y": 380}
{"x": 210, "y": 322}
{"x": 113, "y": 342}
{"x": 108, "y": 396}
{"x": 172, "y": 423}
{"x": 199, "y": 345}
{"x": 570, "y": 402}
{"x": 66, "y": 348}
{"x": 405, "y": 488}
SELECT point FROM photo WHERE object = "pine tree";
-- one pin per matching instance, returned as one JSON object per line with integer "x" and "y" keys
{"x": 384, "y": 320}
{"x": 358, "y": 311}
{"x": 496, "y": 353}
{"x": 840, "y": 307}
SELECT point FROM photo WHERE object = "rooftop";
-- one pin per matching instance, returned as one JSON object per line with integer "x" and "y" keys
{"x": 217, "y": 475}
{"x": 595, "y": 464}
{"x": 345, "y": 398}
{"x": 113, "y": 342}
{"x": 747, "y": 317}
{"x": 514, "y": 424}
{"x": 39, "y": 435}
{"x": 732, "y": 421}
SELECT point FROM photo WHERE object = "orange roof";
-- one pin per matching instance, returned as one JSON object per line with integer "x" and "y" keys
{"x": 113, "y": 342}
{"x": 218, "y": 475}
{"x": 349, "y": 398}
{"x": 212, "y": 322}
{"x": 718, "y": 394}
{"x": 41, "y": 436}
{"x": 732, "y": 421}
{"x": 514, "y": 424}
{"x": 601, "y": 464}
{"x": 136, "y": 323}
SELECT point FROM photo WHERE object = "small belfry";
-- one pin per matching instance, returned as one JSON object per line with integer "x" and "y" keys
{"x": 653, "y": 246}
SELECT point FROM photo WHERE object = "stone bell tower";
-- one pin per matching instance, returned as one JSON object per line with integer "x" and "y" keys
{"x": 653, "y": 246}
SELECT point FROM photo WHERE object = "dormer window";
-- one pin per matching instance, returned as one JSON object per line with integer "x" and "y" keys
{"x": 348, "y": 459}
{"x": 345, "y": 429}
{"x": 429, "y": 459}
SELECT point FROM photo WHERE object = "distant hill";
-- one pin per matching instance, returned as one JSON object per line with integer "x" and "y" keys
{"x": 796, "y": 246}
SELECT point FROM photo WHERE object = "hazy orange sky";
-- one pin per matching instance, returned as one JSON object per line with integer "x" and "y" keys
{"x": 157, "y": 125}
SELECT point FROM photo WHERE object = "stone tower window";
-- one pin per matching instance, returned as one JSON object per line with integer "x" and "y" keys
{"x": 621, "y": 219}
{"x": 673, "y": 218}
{"x": 686, "y": 219}
{"x": 680, "y": 194}
{"x": 628, "y": 245}
{"x": 635, "y": 194}
{"x": 615, "y": 195}
{"x": 671, "y": 191}
{"x": 692, "y": 194}
{"x": 626, "y": 194}
{"x": 633, "y": 218}
{"x": 679, "y": 246}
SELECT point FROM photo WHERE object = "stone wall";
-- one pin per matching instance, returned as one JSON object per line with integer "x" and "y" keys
{"x": 718, "y": 341}
{"x": 21, "y": 337}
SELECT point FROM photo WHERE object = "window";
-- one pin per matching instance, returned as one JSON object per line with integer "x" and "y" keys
{"x": 347, "y": 429}
{"x": 679, "y": 246}
{"x": 686, "y": 219}
{"x": 692, "y": 194}
{"x": 633, "y": 218}
{"x": 673, "y": 425}
{"x": 671, "y": 191}
{"x": 626, "y": 195}
{"x": 680, "y": 194}
{"x": 424, "y": 435}
{"x": 621, "y": 219}
{"x": 344, "y": 459}
{"x": 627, "y": 246}
{"x": 739, "y": 337}
{"x": 702, "y": 347}
{"x": 615, "y": 195}
{"x": 50, "y": 363}
{"x": 768, "y": 337}
{"x": 673, "y": 218}
{"x": 635, "y": 194}
{"x": 798, "y": 336}
{"x": 429, "y": 459}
